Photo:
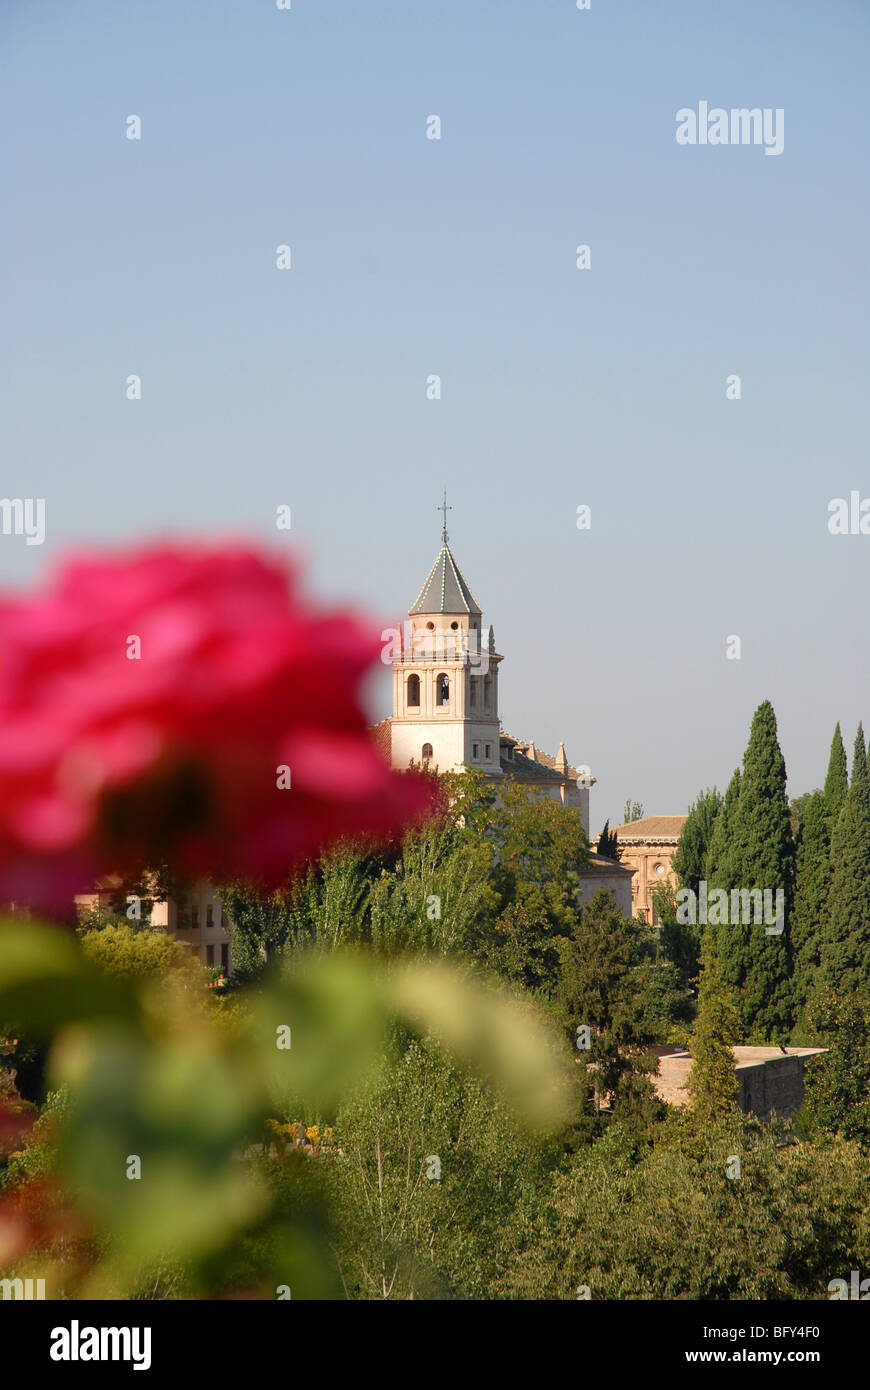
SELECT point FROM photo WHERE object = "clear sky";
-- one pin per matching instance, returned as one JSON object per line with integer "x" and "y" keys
{"x": 411, "y": 257}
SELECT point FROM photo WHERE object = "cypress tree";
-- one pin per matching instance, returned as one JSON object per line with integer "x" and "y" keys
{"x": 690, "y": 856}
{"x": 679, "y": 941}
{"x": 836, "y": 782}
{"x": 603, "y": 983}
{"x": 812, "y": 886}
{"x": 712, "y": 1083}
{"x": 707, "y": 806}
{"x": 608, "y": 843}
{"x": 845, "y": 945}
{"x": 719, "y": 866}
{"x": 756, "y": 961}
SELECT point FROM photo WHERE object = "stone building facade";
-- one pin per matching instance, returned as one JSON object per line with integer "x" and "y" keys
{"x": 647, "y": 847}
{"x": 199, "y": 921}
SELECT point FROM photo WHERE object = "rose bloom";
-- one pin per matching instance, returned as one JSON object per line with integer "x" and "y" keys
{"x": 118, "y": 753}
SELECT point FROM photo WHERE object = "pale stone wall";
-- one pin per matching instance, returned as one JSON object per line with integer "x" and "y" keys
{"x": 775, "y": 1085}
{"x": 201, "y": 924}
{"x": 470, "y": 715}
{"x": 617, "y": 884}
{"x": 447, "y": 737}
{"x": 204, "y": 926}
{"x": 578, "y": 798}
{"x": 651, "y": 862}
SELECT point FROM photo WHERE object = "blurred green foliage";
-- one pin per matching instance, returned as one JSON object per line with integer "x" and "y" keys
{"x": 134, "y": 953}
{"x": 393, "y": 1104}
{"x": 166, "y": 1105}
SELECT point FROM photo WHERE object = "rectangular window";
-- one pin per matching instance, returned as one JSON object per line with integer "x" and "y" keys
{"x": 475, "y": 747}
{"x": 209, "y": 955}
{"x": 488, "y": 751}
{"x": 194, "y": 917}
{"x": 209, "y": 916}
{"x": 225, "y": 955}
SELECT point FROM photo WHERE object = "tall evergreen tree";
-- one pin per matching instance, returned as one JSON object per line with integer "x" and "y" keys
{"x": 606, "y": 984}
{"x": 761, "y": 856}
{"x": 845, "y": 944}
{"x": 712, "y": 1083}
{"x": 690, "y": 856}
{"x": 812, "y": 886}
{"x": 708, "y": 804}
{"x": 608, "y": 843}
{"x": 719, "y": 866}
{"x": 837, "y": 781}
{"x": 680, "y": 942}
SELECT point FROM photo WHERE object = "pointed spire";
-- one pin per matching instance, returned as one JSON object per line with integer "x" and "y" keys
{"x": 445, "y": 590}
{"x": 561, "y": 759}
{"x": 444, "y": 509}
{"x": 531, "y": 752}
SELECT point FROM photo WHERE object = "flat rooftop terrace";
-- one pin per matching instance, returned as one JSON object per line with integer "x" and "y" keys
{"x": 675, "y": 1065}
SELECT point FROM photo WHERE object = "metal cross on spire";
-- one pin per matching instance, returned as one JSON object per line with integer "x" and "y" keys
{"x": 444, "y": 509}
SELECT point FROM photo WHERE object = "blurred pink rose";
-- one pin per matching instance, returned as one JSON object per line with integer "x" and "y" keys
{"x": 110, "y": 760}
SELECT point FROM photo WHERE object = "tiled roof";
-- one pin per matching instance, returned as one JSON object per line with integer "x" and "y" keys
{"x": 600, "y": 864}
{"x": 650, "y": 828}
{"x": 445, "y": 590}
{"x": 524, "y": 769}
{"x": 549, "y": 761}
{"x": 382, "y": 738}
{"x": 544, "y": 763}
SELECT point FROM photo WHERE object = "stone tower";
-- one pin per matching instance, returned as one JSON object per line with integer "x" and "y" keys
{"x": 445, "y": 677}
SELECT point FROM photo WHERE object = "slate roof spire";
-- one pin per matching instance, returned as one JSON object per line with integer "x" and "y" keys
{"x": 445, "y": 589}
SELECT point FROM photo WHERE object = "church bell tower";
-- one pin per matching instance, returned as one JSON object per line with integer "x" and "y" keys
{"x": 445, "y": 676}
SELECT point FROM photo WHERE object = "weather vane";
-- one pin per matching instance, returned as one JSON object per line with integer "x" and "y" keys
{"x": 444, "y": 509}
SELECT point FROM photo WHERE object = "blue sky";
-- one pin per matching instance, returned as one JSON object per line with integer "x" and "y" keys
{"x": 410, "y": 257}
